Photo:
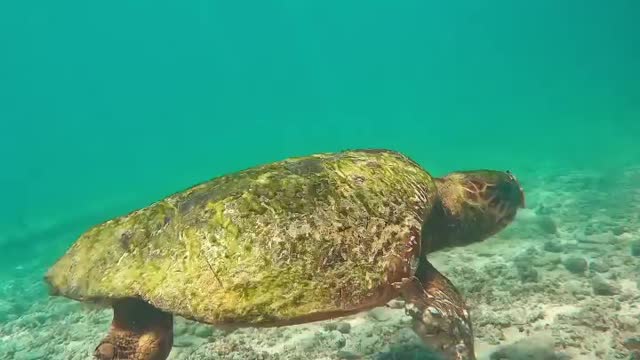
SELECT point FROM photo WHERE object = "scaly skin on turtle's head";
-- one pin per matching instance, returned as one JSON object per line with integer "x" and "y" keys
{"x": 474, "y": 206}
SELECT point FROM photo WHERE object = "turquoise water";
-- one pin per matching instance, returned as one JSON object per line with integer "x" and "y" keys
{"x": 108, "y": 106}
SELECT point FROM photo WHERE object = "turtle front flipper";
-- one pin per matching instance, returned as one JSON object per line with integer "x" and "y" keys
{"x": 139, "y": 331}
{"x": 440, "y": 316}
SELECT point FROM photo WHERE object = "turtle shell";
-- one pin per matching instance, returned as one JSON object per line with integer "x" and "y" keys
{"x": 320, "y": 234}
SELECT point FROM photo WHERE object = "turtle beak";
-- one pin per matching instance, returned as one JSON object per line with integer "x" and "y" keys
{"x": 523, "y": 202}
{"x": 517, "y": 192}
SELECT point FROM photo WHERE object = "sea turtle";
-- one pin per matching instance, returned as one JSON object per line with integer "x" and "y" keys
{"x": 298, "y": 240}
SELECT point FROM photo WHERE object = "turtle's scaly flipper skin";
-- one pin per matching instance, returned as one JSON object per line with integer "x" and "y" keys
{"x": 138, "y": 332}
{"x": 441, "y": 318}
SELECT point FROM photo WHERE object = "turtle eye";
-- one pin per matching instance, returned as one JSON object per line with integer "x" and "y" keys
{"x": 511, "y": 176}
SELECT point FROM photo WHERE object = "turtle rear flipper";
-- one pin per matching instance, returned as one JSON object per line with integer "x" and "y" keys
{"x": 139, "y": 331}
{"x": 440, "y": 316}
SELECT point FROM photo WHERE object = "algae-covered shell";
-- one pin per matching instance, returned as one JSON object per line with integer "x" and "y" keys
{"x": 310, "y": 235}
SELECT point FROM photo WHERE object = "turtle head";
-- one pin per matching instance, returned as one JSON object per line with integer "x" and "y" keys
{"x": 475, "y": 205}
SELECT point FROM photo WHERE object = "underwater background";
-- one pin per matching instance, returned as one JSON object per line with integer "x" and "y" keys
{"x": 106, "y": 107}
